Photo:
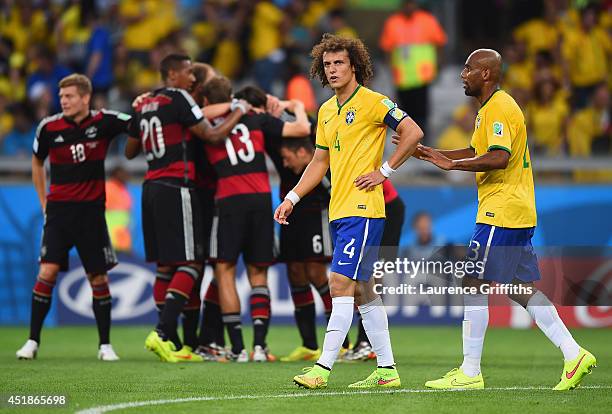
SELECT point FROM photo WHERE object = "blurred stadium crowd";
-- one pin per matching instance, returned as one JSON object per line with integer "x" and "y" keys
{"x": 557, "y": 65}
{"x": 558, "y": 69}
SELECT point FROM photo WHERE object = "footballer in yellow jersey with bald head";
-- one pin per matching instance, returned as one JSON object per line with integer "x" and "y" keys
{"x": 351, "y": 131}
{"x": 506, "y": 196}
{"x": 505, "y": 224}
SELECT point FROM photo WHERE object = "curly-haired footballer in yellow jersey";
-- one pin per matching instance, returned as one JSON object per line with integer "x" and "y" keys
{"x": 505, "y": 224}
{"x": 350, "y": 140}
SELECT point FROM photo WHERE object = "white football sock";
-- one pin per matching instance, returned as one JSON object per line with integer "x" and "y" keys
{"x": 337, "y": 328}
{"x": 376, "y": 326}
{"x": 546, "y": 317}
{"x": 475, "y": 321}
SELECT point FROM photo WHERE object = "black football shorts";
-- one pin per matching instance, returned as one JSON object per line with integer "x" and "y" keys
{"x": 248, "y": 231}
{"x": 172, "y": 224}
{"x": 306, "y": 238}
{"x": 78, "y": 224}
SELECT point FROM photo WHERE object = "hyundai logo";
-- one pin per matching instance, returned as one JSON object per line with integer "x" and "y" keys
{"x": 128, "y": 284}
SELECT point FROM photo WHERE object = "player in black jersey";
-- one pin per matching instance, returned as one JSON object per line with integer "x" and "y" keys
{"x": 205, "y": 182}
{"x": 242, "y": 223}
{"x": 75, "y": 141}
{"x": 306, "y": 260}
{"x": 165, "y": 124}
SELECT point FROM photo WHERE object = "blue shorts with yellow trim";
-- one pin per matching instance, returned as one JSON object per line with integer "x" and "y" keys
{"x": 356, "y": 243}
{"x": 506, "y": 254}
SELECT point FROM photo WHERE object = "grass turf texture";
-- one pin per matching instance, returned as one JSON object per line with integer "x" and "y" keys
{"x": 67, "y": 365}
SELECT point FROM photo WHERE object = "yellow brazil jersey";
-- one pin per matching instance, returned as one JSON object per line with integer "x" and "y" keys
{"x": 354, "y": 134}
{"x": 505, "y": 197}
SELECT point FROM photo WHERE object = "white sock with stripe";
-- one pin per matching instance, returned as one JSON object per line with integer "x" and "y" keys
{"x": 376, "y": 326}
{"x": 337, "y": 328}
{"x": 546, "y": 317}
{"x": 475, "y": 321}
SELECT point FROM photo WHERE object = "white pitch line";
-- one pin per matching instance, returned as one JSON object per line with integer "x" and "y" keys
{"x": 113, "y": 407}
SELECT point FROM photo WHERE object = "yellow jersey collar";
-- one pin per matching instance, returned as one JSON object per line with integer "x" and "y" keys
{"x": 349, "y": 98}
{"x": 489, "y": 98}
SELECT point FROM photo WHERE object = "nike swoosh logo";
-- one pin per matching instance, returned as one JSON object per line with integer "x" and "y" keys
{"x": 462, "y": 384}
{"x": 570, "y": 374}
{"x": 344, "y": 263}
{"x": 183, "y": 356}
{"x": 384, "y": 382}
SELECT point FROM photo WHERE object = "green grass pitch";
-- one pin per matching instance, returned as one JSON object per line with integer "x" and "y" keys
{"x": 519, "y": 366}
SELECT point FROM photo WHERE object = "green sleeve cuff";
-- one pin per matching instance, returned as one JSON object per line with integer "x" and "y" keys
{"x": 499, "y": 147}
{"x": 322, "y": 147}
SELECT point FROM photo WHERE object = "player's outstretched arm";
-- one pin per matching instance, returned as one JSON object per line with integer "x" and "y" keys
{"x": 39, "y": 180}
{"x": 217, "y": 134}
{"x": 457, "y": 154}
{"x": 492, "y": 160}
{"x": 301, "y": 126}
{"x": 216, "y": 110}
{"x": 311, "y": 177}
{"x": 132, "y": 148}
{"x": 139, "y": 99}
{"x": 409, "y": 134}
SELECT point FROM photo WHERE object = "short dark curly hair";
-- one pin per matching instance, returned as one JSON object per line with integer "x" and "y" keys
{"x": 359, "y": 57}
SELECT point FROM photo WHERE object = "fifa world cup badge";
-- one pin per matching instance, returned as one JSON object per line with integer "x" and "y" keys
{"x": 478, "y": 122}
{"x": 498, "y": 129}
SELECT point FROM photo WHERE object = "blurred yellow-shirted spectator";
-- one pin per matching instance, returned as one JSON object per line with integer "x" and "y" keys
{"x": 547, "y": 119}
{"x": 228, "y": 58}
{"x": 6, "y": 119}
{"x": 266, "y": 42}
{"x": 315, "y": 11}
{"x": 266, "y": 38}
{"x": 569, "y": 17}
{"x": 540, "y": 33}
{"x": 590, "y": 124}
{"x": 589, "y": 133}
{"x": 519, "y": 72}
{"x": 25, "y": 26}
{"x": 147, "y": 21}
{"x": 71, "y": 32}
{"x": 218, "y": 32}
{"x": 339, "y": 26}
{"x": 545, "y": 67}
{"x": 459, "y": 133}
{"x": 587, "y": 50}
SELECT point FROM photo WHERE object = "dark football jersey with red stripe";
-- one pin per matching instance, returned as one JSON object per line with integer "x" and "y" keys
{"x": 76, "y": 153}
{"x": 162, "y": 121}
{"x": 389, "y": 191}
{"x": 318, "y": 198}
{"x": 240, "y": 162}
{"x": 206, "y": 177}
